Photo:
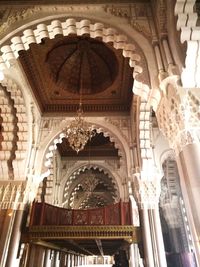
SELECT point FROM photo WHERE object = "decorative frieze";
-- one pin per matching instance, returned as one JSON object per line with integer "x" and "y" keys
{"x": 128, "y": 232}
{"x": 12, "y": 194}
{"x": 138, "y": 16}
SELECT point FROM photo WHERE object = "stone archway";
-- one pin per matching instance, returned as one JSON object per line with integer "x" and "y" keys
{"x": 141, "y": 85}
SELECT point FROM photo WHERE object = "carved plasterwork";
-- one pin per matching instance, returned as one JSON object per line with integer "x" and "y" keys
{"x": 160, "y": 12}
{"x": 123, "y": 125}
{"x": 89, "y": 188}
{"x": 60, "y": 124}
{"x": 178, "y": 117}
{"x": 13, "y": 195}
{"x": 138, "y": 16}
{"x": 71, "y": 26}
{"x": 14, "y": 130}
{"x": 187, "y": 22}
{"x": 14, "y": 15}
{"x": 147, "y": 192}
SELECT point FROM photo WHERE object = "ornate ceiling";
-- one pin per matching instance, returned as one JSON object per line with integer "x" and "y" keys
{"x": 65, "y": 68}
{"x": 99, "y": 146}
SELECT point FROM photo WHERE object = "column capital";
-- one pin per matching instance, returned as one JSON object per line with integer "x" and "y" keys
{"x": 15, "y": 194}
{"x": 147, "y": 192}
{"x": 178, "y": 116}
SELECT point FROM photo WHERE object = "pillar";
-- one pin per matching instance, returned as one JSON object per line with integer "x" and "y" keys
{"x": 31, "y": 256}
{"x": 159, "y": 238}
{"x": 178, "y": 119}
{"x": 189, "y": 170}
{"x": 62, "y": 259}
{"x": 134, "y": 256}
{"x": 47, "y": 258}
{"x": 147, "y": 241}
{"x": 14, "y": 240}
{"x": 8, "y": 217}
{"x": 147, "y": 192}
{"x": 39, "y": 256}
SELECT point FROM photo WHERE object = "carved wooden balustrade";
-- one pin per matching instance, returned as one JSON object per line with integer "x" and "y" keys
{"x": 110, "y": 222}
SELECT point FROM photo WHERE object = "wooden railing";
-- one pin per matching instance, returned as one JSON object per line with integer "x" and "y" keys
{"x": 46, "y": 214}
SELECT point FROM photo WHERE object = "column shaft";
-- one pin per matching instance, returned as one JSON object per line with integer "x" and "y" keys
{"x": 159, "y": 238}
{"x": 132, "y": 256}
{"x": 6, "y": 232}
{"x": 31, "y": 256}
{"x": 189, "y": 170}
{"x": 47, "y": 260}
{"x": 147, "y": 239}
{"x": 14, "y": 241}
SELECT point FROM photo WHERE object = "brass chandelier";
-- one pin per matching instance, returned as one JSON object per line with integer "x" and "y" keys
{"x": 79, "y": 132}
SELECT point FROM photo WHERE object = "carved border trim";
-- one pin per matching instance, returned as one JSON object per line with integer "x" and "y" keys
{"x": 83, "y": 232}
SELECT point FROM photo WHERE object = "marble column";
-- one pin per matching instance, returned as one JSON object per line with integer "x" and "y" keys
{"x": 159, "y": 238}
{"x": 147, "y": 241}
{"x": 14, "y": 240}
{"x": 132, "y": 262}
{"x": 147, "y": 192}
{"x": 47, "y": 259}
{"x": 189, "y": 169}
{"x": 8, "y": 216}
{"x": 178, "y": 119}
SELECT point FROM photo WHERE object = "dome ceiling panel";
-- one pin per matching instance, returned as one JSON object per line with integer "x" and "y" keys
{"x": 61, "y": 69}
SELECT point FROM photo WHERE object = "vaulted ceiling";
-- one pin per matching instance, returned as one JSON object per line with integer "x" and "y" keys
{"x": 63, "y": 69}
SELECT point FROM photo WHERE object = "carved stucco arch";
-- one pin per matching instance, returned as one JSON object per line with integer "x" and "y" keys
{"x": 141, "y": 85}
{"x": 14, "y": 129}
{"x": 187, "y": 23}
{"x": 106, "y": 128}
{"x": 167, "y": 154}
{"x": 137, "y": 55}
{"x": 80, "y": 167}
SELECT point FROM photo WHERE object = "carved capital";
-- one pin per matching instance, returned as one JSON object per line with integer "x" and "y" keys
{"x": 12, "y": 194}
{"x": 147, "y": 192}
{"x": 178, "y": 117}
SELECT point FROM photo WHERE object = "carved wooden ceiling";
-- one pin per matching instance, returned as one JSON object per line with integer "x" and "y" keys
{"x": 99, "y": 146}
{"x": 65, "y": 68}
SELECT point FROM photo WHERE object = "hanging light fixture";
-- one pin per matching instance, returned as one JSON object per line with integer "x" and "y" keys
{"x": 79, "y": 132}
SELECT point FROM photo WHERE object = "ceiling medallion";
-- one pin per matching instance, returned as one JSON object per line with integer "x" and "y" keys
{"x": 79, "y": 132}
